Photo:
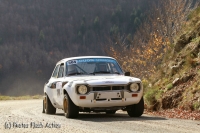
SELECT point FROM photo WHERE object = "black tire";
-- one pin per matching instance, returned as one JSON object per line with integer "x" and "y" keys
{"x": 43, "y": 110}
{"x": 70, "y": 109}
{"x": 136, "y": 110}
{"x": 111, "y": 112}
{"x": 48, "y": 108}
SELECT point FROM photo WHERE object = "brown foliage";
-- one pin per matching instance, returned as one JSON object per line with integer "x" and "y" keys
{"x": 153, "y": 38}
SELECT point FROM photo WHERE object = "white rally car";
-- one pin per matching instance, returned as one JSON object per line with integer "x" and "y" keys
{"x": 92, "y": 84}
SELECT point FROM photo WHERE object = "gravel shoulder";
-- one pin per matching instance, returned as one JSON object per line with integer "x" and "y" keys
{"x": 21, "y": 116}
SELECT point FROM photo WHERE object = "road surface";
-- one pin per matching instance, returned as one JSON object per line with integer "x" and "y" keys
{"x": 24, "y": 116}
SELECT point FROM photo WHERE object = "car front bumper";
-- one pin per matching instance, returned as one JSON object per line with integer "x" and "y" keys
{"x": 108, "y": 99}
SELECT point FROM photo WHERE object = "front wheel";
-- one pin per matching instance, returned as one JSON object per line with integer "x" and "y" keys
{"x": 136, "y": 110}
{"x": 70, "y": 109}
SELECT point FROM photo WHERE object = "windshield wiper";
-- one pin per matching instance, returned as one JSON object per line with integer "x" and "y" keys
{"x": 116, "y": 73}
{"x": 76, "y": 73}
{"x": 104, "y": 72}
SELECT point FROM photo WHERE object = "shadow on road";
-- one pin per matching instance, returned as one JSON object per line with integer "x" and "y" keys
{"x": 102, "y": 117}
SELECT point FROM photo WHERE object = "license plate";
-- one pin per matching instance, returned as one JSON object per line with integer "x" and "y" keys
{"x": 108, "y": 95}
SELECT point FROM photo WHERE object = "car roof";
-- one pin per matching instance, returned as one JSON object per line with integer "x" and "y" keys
{"x": 82, "y": 57}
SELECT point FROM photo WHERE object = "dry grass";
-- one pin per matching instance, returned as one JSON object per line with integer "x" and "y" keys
{"x": 27, "y": 97}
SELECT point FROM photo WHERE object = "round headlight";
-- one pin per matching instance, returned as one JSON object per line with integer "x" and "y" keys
{"x": 134, "y": 87}
{"x": 82, "y": 89}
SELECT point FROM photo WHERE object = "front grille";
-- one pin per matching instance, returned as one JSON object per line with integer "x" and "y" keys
{"x": 107, "y": 88}
{"x": 117, "y": 87}
{"x": 102, "y": 88}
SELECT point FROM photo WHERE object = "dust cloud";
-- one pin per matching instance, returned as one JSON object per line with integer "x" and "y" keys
{"x": 23, "y": 84}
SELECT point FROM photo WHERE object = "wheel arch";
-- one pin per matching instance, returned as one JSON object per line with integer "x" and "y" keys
{"x": 48, "y": 94}
{"x": 65, "y": 92}
{"x": 71, "y": 95}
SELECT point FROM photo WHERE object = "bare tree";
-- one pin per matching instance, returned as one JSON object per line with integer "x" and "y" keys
{"x": 153, "y": 38}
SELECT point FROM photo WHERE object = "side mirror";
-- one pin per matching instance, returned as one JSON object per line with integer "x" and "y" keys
{"x": 127, "y": 74}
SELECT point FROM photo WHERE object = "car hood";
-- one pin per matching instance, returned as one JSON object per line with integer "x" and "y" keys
{"x": 103, "y": 80}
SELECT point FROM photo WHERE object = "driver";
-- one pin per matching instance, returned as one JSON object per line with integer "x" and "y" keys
{"x": 102, "y": 67}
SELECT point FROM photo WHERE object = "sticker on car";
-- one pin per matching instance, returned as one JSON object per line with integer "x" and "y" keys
{"x": 71, "y": 62}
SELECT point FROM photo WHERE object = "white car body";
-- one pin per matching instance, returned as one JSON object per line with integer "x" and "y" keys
{"x": 114, "y": 94}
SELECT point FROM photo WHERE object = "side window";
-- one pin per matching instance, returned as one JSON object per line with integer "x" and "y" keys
{"x": 55, "y": 72}
{"x": 61, "y": 71}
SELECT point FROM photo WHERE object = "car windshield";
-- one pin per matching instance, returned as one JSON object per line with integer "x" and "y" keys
{"x": 92, "y": 66}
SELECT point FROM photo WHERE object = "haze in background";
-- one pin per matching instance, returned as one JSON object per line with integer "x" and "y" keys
{"x": 34, "y": 35}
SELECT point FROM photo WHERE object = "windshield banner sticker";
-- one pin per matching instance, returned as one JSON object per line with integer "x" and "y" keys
{"x": 89, "y": 60}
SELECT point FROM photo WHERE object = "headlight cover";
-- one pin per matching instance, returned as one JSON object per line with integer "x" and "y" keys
{"x": 82, "y": 89}
{"x": 134, "y": 87}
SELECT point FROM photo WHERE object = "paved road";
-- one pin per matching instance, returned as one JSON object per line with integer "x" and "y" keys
{"x": 23, "y": 116}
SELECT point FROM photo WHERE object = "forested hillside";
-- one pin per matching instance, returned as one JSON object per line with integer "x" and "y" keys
{"x": 176, "y": 83}
{"x": 142, "y": 53}
{"x": 35, "y": 34}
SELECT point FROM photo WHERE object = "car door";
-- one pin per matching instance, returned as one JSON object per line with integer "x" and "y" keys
{"x": 59, "y": 89}
{"x": 51, "y": 85}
